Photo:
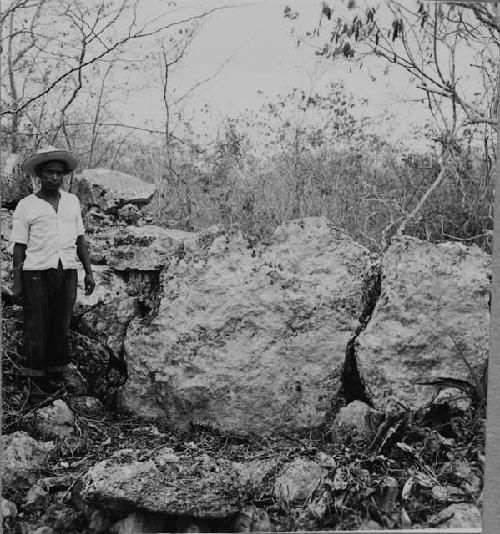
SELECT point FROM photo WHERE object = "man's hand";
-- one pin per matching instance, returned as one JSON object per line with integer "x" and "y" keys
{"x": 89, "y": 284}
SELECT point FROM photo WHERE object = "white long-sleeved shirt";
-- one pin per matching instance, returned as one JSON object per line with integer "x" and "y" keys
{"x": 48, "y": 236}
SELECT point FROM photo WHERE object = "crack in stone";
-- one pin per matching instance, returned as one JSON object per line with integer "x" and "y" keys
{"x": 353, "y": 386}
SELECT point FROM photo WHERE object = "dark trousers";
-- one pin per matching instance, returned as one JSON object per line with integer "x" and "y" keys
{"x": 48, "y": 299}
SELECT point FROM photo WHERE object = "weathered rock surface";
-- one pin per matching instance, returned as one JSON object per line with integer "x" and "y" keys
{"x": 109, "y": 190}
{"x": 14, "y": 183}
{"x": 23, "y": 458}
{"x": 431, "y": 316}
{"x": 250, "y": 340}
{"x": 298, "y": 481}
{"x": 176, "y": 489}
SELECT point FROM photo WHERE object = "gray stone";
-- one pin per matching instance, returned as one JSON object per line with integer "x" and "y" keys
{"x": 36, "y": 496}
{"x": 249, "y": 340}
{"x": 9, "y": 509}
{"x": 109, "y": 190}
{"x": 23, "y": 458}
{"x": 54, "y": 421}
{"x": 299, "y": 481}
{"x": 187, "y": 489}
{"x": 432, "y": 319}
{"x": 357, "y": 421}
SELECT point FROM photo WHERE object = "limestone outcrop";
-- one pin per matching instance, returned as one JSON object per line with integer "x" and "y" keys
{"x": 110, "y": 190}
{"x": 249, "y": 339}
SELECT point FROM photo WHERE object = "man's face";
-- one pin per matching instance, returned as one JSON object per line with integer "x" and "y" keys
{"x": 51, "y": 174}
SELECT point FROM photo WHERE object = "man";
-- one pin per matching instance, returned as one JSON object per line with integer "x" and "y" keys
{"x": 48, "y": 235}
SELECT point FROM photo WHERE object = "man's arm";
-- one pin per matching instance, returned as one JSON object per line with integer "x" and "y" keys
{"x": 82, "y": 251}
{"x": 18, "y": 257}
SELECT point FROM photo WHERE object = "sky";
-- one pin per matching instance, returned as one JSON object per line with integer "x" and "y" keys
{"x": 250, "y": 53}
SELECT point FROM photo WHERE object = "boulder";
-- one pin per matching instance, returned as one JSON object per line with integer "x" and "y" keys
{"x": 432, "y": 319}
{"x": 110, "y": 190}
{"x": 22, "y": 459}
{"x": 249, "y": 339}
{"x": 179, "y": 488}
{"x": 14, "y": 184}
{"x": 298, "y": 481}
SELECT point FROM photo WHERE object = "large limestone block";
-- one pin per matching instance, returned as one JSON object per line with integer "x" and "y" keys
{"x": 432, "y": 319}
{"x": 14, "y": 184}
{"x": 250, "y": 340}
{"x": 109, "y": 190}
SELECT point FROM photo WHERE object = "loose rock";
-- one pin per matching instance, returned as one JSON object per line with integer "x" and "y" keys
{"x": 22, "y": 459}
{"x": 54, "y": 421}
{"x": 356, "y": 422}
{"x": 177, "y": 489}
{"x": 298, "y": 481}
{"x": 9, "y": 509}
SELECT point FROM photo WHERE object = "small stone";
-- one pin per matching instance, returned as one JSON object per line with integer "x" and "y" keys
{"x": 254, "y": 472}
{"x": 36, "y": 496}
{"x": 54, "y": 421}
{"x": 356, "y": 421}
{"x": 9, "y": 509}
{"x": 299, "y": 480}
{"x": 325, "y": 460}
{"x": 22, "y": 458}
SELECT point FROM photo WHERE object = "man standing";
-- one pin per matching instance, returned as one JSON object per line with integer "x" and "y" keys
{"x": 48, "y": 235}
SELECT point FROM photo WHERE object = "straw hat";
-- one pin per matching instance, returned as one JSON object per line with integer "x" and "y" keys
{"x": 49, "y": 153}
